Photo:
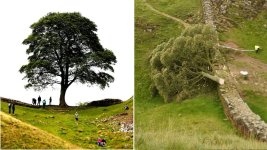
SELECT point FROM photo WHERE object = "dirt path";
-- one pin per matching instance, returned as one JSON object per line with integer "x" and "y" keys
{"x": 257, "y": 73}
{"x": 166, "y": 15}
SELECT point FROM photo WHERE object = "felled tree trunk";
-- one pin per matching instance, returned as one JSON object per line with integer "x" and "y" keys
{"x": 213, "y": 78}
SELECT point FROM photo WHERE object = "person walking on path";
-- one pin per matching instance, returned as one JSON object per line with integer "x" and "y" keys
{"x": 13, "y": 108}
{"x": 9, "y": 107}
{"x": 44, "y": 102}
{"x": 50, "y": 100}
{"x": 39, "y": 100}
{"x": 76, "y": 117}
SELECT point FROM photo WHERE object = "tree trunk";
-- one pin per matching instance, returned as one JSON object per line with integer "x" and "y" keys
{"x": 62, "y": 102}
{"x": 213, "y": 78}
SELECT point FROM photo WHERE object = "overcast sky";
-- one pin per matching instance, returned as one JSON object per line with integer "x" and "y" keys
{"x": 115, "y": 24}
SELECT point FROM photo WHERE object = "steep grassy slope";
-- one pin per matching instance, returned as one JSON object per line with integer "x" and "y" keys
{"x": 257, "y": 103}
{"x": 198, "y": 123}
{"x": 94, "y": 122}
{"x": 17, "y": 134}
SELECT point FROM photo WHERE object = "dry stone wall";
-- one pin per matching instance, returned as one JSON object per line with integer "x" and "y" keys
{"x": 238, "y": 112}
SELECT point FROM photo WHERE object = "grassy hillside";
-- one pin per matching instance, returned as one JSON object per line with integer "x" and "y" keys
{"x": 250, "y": 33}
{"x": 257, "y": 103}
{"x": 197, "y": 123}
{"x": 17, "y": 134}
{"x": 94, "y": 122}
{"x": 184, "y": 9}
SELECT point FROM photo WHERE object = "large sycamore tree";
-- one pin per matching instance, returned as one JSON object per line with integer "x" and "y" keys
{"x": 63, "y": 49}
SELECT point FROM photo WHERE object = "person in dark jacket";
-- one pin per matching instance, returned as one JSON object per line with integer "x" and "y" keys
{"x": 50, "y": 100}
{"x": 104, "y": 142}
{"x": 39, "y": 100}
{"x": 13, "y": 108}
{"x": 33, "y": 101}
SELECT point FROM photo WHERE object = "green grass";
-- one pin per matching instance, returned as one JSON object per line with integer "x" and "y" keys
{"x": 198, "y": 123}
{"x": 91, "y": 125}
{"x": 182, "y": 9}
{"x": 250, "y": 33}
{"x": 16, "y": 134}
{"x": 256, "y": 103}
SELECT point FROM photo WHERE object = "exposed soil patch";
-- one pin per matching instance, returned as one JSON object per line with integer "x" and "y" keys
{"x": 257, "y": 73}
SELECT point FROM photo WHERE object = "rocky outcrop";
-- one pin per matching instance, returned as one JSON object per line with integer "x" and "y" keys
{"x": 238, "y": 112}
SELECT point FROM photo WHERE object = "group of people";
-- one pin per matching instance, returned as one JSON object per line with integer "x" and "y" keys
{"x": 11, "y": 107}
{"x": 39, "y": 101}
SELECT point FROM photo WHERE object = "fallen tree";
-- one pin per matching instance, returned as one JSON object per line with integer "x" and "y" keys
{"x": 181, "y": 67}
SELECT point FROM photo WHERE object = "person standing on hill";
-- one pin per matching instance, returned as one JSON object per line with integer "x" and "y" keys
{"x": 9, "y": 107}
{"x": 34, "y": 101}
{"x": 44, "y": 102}
{"x": 50, "y": 100}
{"x": 13, "y": 107}
{"x": 76, "y": 117}
{"x": 39, "y": 100}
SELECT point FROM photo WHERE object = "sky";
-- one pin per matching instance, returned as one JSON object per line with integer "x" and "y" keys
{"x": 115, "y": 24}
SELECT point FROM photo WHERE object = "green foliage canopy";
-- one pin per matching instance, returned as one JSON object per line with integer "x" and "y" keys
{"x": 176, "y": 65}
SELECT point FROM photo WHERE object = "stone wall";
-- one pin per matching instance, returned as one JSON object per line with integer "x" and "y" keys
{"x": 238, "y": 112}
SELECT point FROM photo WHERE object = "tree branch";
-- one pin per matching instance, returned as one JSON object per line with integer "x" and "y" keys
{"x": 72, "y": 81}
